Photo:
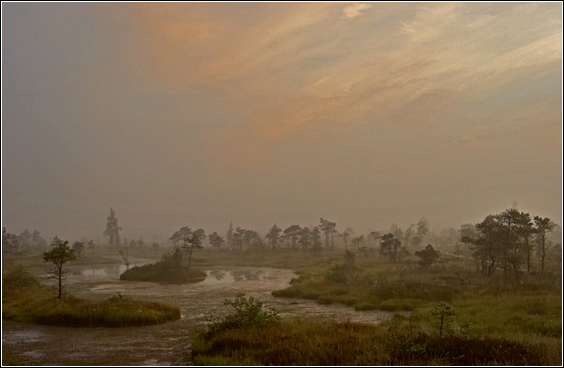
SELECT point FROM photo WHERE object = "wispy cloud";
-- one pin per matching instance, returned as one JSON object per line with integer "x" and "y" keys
{"x": 302, "y": 68}
{"x": 354, "y": 10}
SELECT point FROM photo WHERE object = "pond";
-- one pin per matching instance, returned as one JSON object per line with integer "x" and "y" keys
{"x": 165, "y": 344}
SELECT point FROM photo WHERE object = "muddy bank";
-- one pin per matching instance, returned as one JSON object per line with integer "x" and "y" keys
{"x": 166, "y": 344}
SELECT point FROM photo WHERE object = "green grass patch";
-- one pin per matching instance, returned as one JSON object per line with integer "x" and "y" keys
{"x": 25, "y": 300}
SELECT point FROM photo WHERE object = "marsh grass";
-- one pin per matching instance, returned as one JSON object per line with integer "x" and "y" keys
{"x": 323, "y": 342}
{"x": 501, "y": 320}
{"x": 25, "y": 300}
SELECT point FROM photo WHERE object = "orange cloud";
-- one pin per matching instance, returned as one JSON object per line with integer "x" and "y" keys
{"x": 301, "y": 67}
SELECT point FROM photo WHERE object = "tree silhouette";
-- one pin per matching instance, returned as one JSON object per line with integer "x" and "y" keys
{"x": 305, "y": 238}
{"x": 328, "y": 228}
{"x": 216, "y": 240}
{"x": 543, "y": 225}
{"x": 273, "y": 236}
{"x": 390, "y": 246}
{"x": 428, "y": 256}
{"x": 59, "y": 254}
{"x": 112, "y": 229}
{"x": 316, "y": 239}
{"x": 193, "y": 241}
{"x": 292, "y": 232}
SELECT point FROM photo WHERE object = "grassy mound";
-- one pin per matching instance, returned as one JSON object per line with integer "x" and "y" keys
{"x": 24, "y": 299}
{"x": 169, "y": 269}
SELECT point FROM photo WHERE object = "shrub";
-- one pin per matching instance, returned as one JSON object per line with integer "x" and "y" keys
{"x": 444, "y": 313}
{"x": 248, "y": 312}
{"x": 344, "y": 274}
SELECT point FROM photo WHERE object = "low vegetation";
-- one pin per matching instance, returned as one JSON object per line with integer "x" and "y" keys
{"x": 419, "y": 340}
{"x": 170, "y": 269}
{"x": 492, "y": 298}
{"x": 24, "y": 299}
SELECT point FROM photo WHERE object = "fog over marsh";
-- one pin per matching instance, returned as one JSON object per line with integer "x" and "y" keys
{"x": 200, "y": 114}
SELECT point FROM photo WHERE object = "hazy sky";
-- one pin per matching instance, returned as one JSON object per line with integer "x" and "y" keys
{"x": 196, "y": 114}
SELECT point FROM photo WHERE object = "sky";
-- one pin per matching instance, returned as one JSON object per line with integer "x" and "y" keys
{"x": 199, "y": 114}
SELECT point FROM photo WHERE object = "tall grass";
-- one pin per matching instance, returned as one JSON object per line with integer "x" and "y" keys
{"x": 321, "y": 342}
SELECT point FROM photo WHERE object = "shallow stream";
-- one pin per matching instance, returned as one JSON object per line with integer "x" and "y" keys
{"x": 165, "y": 344}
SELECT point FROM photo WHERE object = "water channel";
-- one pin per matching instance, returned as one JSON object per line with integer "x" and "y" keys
{"x": 165, "y": 344}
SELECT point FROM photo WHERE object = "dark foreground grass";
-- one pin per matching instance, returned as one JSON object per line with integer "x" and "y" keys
{"x": 25, "y": 300}
{"x": 307, "y": 342}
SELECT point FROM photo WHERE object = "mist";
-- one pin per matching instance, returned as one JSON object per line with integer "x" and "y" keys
{"x": 203, "y": 114}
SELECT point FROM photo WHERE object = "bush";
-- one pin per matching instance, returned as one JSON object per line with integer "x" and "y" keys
{"x": 344, "y": 274}
{"x": 248, "y": 312}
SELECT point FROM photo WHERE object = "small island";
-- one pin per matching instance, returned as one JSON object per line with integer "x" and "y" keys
{"x": 170, "y": 269}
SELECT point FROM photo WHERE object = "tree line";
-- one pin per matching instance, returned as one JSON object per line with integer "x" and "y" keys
{"x": 508, "y": 241}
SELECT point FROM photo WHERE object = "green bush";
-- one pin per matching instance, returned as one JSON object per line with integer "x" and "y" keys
{"x": 248, "y": 312}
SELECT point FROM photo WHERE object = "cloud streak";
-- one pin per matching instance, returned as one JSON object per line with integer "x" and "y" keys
{"x": 239, "y": 97}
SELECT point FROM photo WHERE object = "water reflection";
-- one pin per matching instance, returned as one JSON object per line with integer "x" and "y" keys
{"x": 215, "y": 276}
{"x": 112, "y": 271}
{"x": 219, "y": 275}
{"x": 225, "y": 277}
{"x": 247, "y": 275}
{"x": 109, "y": 271}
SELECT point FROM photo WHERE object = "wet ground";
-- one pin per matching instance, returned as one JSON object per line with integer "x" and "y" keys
{"x": 165, "y": 344}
